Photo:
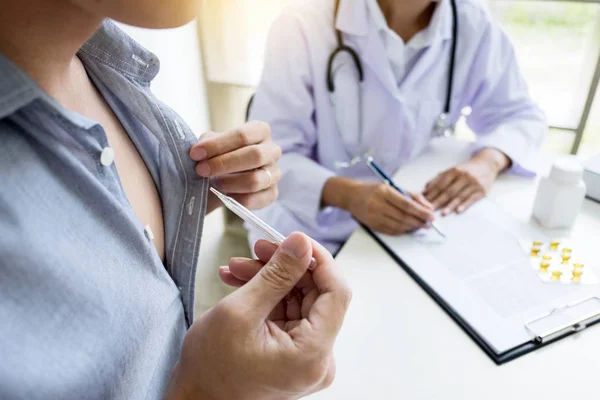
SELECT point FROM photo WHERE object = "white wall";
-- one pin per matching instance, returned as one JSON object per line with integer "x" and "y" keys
{"x": 234, "y": 34}
{"x": 180, "y": 82}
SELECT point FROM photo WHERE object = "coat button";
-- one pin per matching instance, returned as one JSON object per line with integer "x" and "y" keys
{"x": 107, "y": 157}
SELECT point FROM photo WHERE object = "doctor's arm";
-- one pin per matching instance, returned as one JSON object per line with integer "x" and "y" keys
{"x": 508, "y": 125}
{"x": 458, "y": 188}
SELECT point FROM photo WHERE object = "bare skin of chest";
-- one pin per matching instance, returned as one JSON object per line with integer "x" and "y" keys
{"x": 135, "y": 178}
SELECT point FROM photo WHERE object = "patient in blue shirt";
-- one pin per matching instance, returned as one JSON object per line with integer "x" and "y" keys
{"x": 103, "y": 193}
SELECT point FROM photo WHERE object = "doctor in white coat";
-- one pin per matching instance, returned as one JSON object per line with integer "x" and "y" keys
{"x": 397, "y": 88}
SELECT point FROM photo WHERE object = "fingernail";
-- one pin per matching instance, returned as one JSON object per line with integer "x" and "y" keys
{"x": 294, "y": 247}
{"x": 198, "y": 154}
{"x": 446, "y": 211}
{"x": 431, "y": 218}
{"x": 460, "y": 209}
{"x": 224, "y": 268}
{"x": 203, "y": 169}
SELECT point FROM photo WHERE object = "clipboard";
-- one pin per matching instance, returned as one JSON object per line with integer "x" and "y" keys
{"x": 548, "y": 328}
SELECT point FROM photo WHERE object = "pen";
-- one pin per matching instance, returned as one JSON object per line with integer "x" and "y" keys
{"x": 386, "y": 179}
{"x": 251, "y": 218}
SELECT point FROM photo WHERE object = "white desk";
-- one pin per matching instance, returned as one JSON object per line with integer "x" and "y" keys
{"x": 397, "y": 343}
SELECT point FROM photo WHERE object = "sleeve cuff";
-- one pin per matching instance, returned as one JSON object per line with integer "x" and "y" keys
{"x": 518, "y": 147}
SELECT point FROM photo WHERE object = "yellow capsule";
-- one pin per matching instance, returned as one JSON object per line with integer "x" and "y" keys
{"x": 577, "y": 275}
{"x": 554, "y": 245}
{"x": 546, "y": 257}
{"x": 544, "y": 265}
{"x": 565, "y": 258}
{"x": 567, "y": 250}
{"x": 535, "y": 252}
{"x": 578, "y": 265}
{"x": 537, "y": 243}
{"x": 556, "y": 275}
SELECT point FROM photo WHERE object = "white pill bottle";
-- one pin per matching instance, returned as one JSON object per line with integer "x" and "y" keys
{"x": 560, "y": 195}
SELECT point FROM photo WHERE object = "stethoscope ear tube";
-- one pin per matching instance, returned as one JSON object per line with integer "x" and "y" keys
{"x": 341, "y": 48}
{"x": 442, "y": 126}
{"x": 452, "y": 57}
{"x": 355, "y": 58}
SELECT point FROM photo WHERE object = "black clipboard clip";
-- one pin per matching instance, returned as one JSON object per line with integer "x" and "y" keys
{"x": 565, "y": 320}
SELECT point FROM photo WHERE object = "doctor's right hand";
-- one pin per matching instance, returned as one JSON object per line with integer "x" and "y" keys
{"x": 273, "y": 337}
{"x": 379, "y": 206}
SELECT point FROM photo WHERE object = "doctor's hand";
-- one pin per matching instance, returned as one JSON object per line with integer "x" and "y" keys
{"x": 458, "y": 188}
{"x": 378, "y": 206}
{"x": 241, "y": 163}
{"x": 273, "y": 337}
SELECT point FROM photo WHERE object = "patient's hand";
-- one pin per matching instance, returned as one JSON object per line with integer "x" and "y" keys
{"x": 272, "y": 338}
{"x": 241, "y": 163}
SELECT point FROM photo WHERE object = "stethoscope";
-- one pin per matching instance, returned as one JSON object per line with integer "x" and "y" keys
{"x": 442, "y": 126}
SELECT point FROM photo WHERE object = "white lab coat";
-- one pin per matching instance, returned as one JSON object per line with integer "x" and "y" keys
{"x": 397, "y": 119}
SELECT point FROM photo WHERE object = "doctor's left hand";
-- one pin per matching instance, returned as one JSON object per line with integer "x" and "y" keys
{"x": 241, "y": 163}
{"x": 458, "y": 188}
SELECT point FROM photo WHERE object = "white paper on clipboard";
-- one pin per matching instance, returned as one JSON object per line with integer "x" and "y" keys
{"x": 481, "y": 271}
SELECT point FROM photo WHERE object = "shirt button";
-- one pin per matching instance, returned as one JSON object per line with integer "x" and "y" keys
{"x": 107, "y": 157}
{"x": 148, "y": 232}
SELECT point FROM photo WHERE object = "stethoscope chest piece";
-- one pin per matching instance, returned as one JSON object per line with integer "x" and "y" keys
{"x": 442, "y": 128}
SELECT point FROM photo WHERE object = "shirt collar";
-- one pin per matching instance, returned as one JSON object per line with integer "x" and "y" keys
{"x": 377, "y": 16}
{"x": 354, "y": 17}
{"x": 109, "y": 45}
{"x": 114, "y": 48}
{"x": 16, "y": 88}
{"x": 440, "y": 25}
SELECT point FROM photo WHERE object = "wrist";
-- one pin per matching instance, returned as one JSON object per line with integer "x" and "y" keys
{"x": 177, "y": 389}
{"x": 494, "y": 159}
{"x": 338, "y": 192}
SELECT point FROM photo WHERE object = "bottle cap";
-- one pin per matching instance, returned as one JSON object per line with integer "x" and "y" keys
{"x": 566, "y": 170}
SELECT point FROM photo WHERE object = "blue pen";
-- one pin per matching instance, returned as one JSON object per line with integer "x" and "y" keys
{"x": 386, "y": 179}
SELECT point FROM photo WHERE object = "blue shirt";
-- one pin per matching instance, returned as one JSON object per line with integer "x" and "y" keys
{"x": 87, "y": 308}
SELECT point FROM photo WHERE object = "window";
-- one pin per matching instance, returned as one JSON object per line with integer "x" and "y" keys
{"x": 557, "y": 44}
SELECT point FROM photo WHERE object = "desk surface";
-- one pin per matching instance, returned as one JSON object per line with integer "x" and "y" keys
{"x": 397, "y": 343}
